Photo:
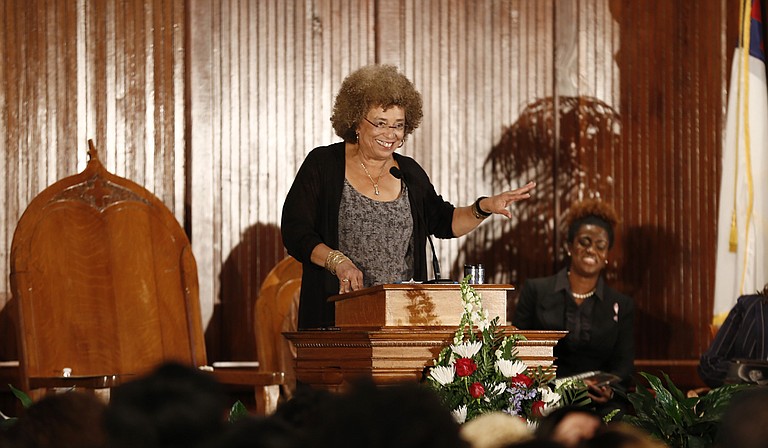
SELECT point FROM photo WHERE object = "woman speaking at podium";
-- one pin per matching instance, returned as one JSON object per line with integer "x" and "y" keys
{"x": 359, "y": 214}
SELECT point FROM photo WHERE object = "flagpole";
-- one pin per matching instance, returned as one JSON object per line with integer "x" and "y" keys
{"x": 746, "y": 31}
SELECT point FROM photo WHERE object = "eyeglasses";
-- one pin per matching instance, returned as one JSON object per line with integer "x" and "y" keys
{"x": 382, "y": 126}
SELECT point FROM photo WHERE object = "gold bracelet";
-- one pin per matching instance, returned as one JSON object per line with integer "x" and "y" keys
{"x": 334, "y": 258}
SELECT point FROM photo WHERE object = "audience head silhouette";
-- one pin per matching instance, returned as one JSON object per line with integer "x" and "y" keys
{"x": 173, "y": 406}
{"x": 745, "y": 421}
{"x": 303, "y": 411}
{"x": 402, "y": 416}
{"x": 495, "y": 430}
{"x": 569, "y": 426}
{"x": 71, "y": 419}
{"x": 260, "y": 432}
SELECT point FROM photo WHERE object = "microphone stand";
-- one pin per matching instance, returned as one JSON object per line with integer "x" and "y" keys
{"x": 436, "y": 267}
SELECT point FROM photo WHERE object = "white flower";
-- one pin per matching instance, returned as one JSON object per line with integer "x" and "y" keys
{"x": 442, "y": 374}
{"x": 460, "y": 414}
{"x": 551, "y": 400}
{"x": 548, "y": 396}
{"x": 498, "y": 389}
{"x": 467, "y": 349}
{"x": 510, "y": 368}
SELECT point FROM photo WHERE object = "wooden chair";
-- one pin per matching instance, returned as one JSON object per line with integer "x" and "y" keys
{"x": 276, "y": 312}
{"x": 107, "y": 289}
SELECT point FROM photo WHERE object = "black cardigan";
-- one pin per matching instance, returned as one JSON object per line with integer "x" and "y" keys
{"x": 311, "y": 216}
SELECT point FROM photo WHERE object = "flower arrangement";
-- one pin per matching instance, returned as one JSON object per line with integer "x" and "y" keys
{"x": 480, "y": 371}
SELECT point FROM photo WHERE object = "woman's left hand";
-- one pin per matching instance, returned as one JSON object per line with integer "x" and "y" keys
{"x": 498, "y": 204}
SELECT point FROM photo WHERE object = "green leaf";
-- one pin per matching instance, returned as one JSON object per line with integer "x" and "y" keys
{"x": 24, "y": 398}
{"x": 237, "y": 411}
{"x": 574, "y": 394}
{"x": 608, "y": 417}
{"x": 676, "y": 393}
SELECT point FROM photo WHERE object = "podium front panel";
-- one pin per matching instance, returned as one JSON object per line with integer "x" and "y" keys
{"x": 333, "y": 358}
{"x": 415, "y": 305}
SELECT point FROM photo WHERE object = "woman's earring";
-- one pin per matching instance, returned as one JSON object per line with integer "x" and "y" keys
{"x": 606, "y": 261}
{"x": 402, "y": 142}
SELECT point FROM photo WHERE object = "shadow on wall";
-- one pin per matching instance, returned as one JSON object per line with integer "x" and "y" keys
{"x": 565, "y": 170}
{"x": 643, "y": 276}
{"x": 8, "y": 341}
{"x": 231, "y": 334}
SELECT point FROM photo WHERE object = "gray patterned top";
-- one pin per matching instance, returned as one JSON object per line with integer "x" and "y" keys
{"x": 377, "y": 236}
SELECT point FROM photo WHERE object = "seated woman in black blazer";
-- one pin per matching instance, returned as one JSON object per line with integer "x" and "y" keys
{"x": 598, "y": 318}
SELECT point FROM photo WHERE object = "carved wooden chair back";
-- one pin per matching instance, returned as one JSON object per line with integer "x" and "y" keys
{"x": 277, "y": 311}
{"x": 105, "y": 280}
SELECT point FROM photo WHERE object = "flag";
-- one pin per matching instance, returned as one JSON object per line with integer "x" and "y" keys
{"x": 742, "y": 235}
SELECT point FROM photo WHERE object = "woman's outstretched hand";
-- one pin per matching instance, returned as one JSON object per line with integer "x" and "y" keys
{"x": 499, "y": 203}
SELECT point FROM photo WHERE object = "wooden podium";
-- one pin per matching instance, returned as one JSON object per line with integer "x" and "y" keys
{"x": 392, "y": 332}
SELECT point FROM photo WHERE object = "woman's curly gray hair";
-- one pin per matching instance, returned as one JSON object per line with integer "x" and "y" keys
{"x": 374, "y": 86}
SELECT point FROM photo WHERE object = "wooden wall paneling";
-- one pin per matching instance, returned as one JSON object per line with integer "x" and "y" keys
{"x": 132, "y": 87}
{"x": 232, "y": 105}
{"x": 247, "y": 165}
{"x": 8, "y": 169}
{"x": 5, "y": 238}
{"x": 669, "y": 211}
{"x": 117, "y": 79}
{"x": 681, "y": 210}
{"x": 478, "y": 119}
{"x": 664, "y": 129}
{"x": 202, "y": 20}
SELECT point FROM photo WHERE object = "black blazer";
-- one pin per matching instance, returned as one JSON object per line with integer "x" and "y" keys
{"x": 743, "y": 335}
{"x": 610, "y": 346}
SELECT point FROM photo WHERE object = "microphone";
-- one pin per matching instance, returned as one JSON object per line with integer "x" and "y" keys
{"x": 397, "y": 174}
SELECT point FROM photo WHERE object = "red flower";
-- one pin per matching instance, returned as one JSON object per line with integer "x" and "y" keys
{"x": 477, "y": 390}
{"x": 521, "y": 380}
{"x": 537, "y": 408}
{"x": 465, "y": 366}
